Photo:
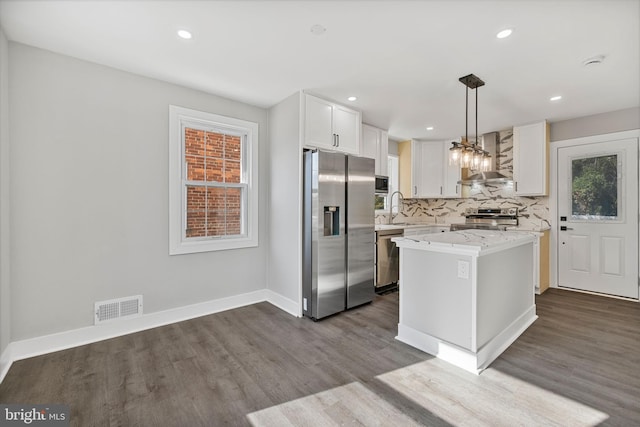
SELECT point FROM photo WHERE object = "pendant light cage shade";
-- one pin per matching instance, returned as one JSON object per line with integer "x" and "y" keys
{"x": 455, "y": 152}
{"x": 467, "y": 157}
{"x": 477, "y": 159}
{"x": 486, "y": 162}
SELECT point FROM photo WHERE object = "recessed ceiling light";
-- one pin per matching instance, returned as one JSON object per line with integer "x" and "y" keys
{"x": 429, "y": 127}
{"x": 318, "y": 29}
{"x": 352, "y": 98}
{"x": 504, "y": 33}
{"x": 184, "y": 34}
{"x": 555, "y": 98}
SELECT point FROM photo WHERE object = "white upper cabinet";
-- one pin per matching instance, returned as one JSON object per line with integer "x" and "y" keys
{"x": 375, "y": 145}
{"x": 431, "y": 175}
{"x": 452, "y": 174}
{"x": 383, "y": 154}
{"x": 427, "y": 169}
{"x": 531, "y": 159}
{"x": 331, "y": 126}
{"x": 318, "y": 129}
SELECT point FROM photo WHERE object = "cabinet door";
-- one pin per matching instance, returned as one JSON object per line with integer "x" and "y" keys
{"x": 375, "y": 145}
{"x": 370, "y": 136}
{"x": 428, "y": 169}
{"x": 530, "y": 159}
{"x": 318, "y": 123}
{"x": 543, "y": 278}
{"x": 451, "y": 188}
{"x": 383, "y": 154}
{"x": 416, "y": 169}
{"x": 346, "y": 125}
{"x": 405, "y": 169}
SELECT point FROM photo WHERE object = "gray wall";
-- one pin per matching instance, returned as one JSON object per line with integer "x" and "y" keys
{"x": 89, "y": 195}
{"x": 5, "y": 272}
{"x": 598, "y": 124}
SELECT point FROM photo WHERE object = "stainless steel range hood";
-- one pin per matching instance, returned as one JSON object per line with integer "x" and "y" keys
{"x": 490, "y": 144}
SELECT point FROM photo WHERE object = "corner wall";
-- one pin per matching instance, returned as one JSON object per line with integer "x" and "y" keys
{"x": 5, "y": 228}
{"x": 90, "y": 198}
{"x": 285, "y": 206}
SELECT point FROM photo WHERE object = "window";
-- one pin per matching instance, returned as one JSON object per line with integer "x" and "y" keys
{"x": 594, "y": 188}
{"x": 213, "y": 194}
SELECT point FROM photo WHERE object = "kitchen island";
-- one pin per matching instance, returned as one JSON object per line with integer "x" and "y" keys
{"x": 465, "y": 296}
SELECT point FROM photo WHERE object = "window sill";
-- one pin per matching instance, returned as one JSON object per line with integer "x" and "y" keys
{"x": 199, "y": 246}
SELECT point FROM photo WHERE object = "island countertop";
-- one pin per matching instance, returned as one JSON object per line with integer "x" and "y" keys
{"x": 439, "y": 226}
{"x": 477, "y": 241}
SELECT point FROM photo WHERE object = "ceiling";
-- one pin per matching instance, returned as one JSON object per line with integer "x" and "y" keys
{"x": 401, "y": 59}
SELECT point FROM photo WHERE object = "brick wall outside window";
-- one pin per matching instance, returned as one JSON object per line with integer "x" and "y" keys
{"x": 213, "y": 159}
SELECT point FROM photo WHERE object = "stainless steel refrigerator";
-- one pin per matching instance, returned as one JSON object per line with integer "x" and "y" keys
{"x": 338, "y": 232}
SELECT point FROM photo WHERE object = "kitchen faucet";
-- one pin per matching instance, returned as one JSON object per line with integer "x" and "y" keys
{"x": 400, "y": 203}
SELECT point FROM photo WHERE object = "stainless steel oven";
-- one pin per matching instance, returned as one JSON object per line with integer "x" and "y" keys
{"x": 488, "y": 219}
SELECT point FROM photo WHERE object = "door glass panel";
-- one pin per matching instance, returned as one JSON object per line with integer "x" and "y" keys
{"x": 594, "y": 188}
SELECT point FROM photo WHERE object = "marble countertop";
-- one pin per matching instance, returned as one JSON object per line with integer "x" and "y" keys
{"x": 476, "y": 240}
{"x": 529, "y": 228}
{"x": 539, "y": 229}
{"x": 408, "y": 226}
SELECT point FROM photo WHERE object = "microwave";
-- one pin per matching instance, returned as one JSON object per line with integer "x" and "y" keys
{"x": 382, "y": 184}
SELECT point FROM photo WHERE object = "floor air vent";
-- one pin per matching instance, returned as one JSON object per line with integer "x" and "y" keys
{"x": 118, "y": 308}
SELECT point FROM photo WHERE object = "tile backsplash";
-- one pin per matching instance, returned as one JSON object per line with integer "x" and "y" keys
{"x": 533, "y": 211}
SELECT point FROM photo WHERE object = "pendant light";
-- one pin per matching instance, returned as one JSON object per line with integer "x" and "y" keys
{"x": 466, "y": 154}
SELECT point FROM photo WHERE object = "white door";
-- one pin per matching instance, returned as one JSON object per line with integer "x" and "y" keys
{"x": 598, "y": 217}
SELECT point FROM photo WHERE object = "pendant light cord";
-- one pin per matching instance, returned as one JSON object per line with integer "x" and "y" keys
{"x": 476, "y": 117}
{"x": 466, "y": 115}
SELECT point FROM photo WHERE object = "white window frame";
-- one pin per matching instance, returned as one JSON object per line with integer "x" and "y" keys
{"x": 179, "y": 118}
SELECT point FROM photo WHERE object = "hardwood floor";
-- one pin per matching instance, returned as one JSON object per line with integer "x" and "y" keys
{"x": 577, "y": 365}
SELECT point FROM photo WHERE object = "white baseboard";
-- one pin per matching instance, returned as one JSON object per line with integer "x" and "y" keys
{"x": 6, "y": 359}
{"x": 284, "y": 304}
{"x": 463, "y": 358}
{"x": 31, "y": 347}
{"x": 498, "y": 344}
{"x": 441, "y": 349}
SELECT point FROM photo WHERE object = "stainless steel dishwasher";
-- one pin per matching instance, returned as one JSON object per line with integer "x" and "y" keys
{"x": 387, "y": 259}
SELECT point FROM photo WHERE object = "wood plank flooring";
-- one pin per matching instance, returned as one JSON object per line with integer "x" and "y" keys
{"x": 577, "y": 365}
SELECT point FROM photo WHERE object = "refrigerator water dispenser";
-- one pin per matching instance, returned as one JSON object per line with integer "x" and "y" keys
{"x": 332, "y": 220}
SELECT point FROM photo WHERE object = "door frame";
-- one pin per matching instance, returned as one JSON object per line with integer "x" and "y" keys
{"x": 553, "y": 191}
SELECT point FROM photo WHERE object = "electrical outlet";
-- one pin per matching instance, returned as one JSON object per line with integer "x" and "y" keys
{"x": 463, "y": 269}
